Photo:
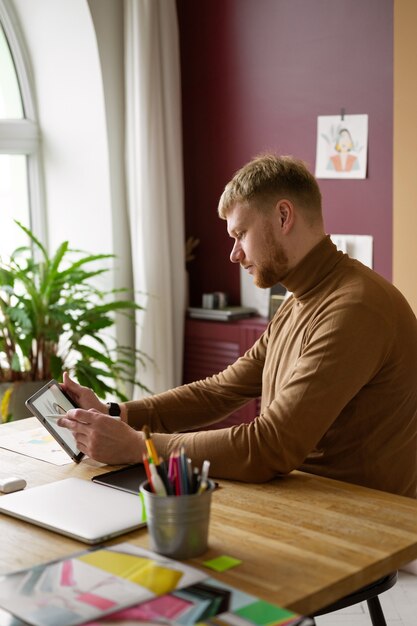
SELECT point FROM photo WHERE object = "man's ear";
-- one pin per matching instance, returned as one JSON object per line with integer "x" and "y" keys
{"x": 285, "y": 210}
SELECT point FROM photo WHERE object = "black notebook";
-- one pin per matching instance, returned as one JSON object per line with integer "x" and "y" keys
{"x": 126, "y": 479}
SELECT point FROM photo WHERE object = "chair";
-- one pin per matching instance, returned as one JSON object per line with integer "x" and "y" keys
{"x": 370, "y": 594}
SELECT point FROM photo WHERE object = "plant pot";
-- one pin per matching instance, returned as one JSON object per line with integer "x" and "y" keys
{"x": 12, "y": 403}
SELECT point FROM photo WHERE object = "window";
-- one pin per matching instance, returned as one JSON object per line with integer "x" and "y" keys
{"x": 20, "y": 169}
{"x": 10, "y": 101}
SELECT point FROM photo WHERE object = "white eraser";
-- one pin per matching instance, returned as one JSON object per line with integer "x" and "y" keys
{"x": 11, "y": 483}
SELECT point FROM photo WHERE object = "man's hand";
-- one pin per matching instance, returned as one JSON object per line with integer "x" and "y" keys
{"x": 104, "y": 438}
{"x": 84, "y": 397}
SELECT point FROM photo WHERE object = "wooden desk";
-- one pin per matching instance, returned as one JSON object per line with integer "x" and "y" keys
{"x": 304, "y": 541}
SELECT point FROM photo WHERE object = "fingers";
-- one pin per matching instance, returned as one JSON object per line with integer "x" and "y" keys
{"x": 71, "y": 388}
{"x": 81, "y": 424}
{"x": 102, "y": 437}
{"x": 74, "y": 417}
{"x": 70, "y": 385}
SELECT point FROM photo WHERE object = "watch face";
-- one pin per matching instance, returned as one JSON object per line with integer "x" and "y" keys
{"x": 114, "y": 408}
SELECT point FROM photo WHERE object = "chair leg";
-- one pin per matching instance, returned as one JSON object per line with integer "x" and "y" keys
{"x": 375, "y": 612}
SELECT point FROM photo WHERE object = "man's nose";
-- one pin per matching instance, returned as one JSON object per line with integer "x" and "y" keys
{"x": 236, "y": 253}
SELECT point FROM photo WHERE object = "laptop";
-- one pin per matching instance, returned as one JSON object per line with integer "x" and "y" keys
{"x": 80, "y": 509}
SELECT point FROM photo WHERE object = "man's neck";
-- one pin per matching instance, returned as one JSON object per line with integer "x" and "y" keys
{"x": 302, "y": 243}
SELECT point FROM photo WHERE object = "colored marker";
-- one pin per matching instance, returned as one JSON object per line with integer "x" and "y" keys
{"x": 204, "y": 477}
{"x": 157, "y": 483}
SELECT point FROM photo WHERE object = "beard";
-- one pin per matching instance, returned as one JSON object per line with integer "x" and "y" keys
{"x": 274, "y": 266}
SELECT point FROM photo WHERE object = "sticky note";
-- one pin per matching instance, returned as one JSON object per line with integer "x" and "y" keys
{"x": 265, "y": 614}
{"x": 222, "y": 563}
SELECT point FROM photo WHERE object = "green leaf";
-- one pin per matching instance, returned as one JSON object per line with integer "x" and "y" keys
{"x": 15, "y": 364}
{"x": 56, "y": 366}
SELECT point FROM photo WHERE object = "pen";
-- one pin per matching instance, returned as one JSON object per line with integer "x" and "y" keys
{"x": 172, "y": 472}
{"x": 162, "y": 471}
{"x": 189, "y": 471}
{"x": 195, "y": 480}
{"x": 183, "y": 472}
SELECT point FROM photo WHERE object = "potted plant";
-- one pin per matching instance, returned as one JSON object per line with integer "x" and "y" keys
{"x": 54, "y": 317}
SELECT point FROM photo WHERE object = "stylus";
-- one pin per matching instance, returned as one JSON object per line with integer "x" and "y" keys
{"x": 55, "y": 415}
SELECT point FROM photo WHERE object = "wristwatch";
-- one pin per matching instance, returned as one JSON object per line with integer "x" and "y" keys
{"x": 114, "y": 409}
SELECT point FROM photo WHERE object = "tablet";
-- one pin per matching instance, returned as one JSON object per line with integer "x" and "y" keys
{"x": 48, "y": 404}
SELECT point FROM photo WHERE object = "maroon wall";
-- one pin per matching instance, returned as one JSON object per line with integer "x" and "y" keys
{"x": 255, "y": 76}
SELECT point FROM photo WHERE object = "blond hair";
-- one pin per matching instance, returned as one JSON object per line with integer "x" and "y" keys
{"x": 269, "y": 177}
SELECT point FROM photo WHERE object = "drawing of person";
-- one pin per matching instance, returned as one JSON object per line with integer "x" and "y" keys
{"x": 343, "y": 161}
{"x": 58, "y": 408}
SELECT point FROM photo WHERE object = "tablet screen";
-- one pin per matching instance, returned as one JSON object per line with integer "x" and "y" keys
{"x": 48, "y": 404}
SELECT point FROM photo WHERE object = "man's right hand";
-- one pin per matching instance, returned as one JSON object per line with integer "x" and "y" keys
{"x": 103, "y": 438}
{"x": 83, "y": 397}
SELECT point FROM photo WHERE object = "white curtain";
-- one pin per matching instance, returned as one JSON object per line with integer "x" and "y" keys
{"x": 155, "y": 185}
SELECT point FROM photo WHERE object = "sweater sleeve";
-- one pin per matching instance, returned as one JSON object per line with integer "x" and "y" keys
{"x": 333, "y": 364}
{"x": 206, "y": 401}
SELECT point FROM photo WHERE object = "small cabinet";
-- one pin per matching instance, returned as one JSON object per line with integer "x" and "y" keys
{"x": 211, "y": 346}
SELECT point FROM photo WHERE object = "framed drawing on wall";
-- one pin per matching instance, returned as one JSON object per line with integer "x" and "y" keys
{"x": 342, "y": 146}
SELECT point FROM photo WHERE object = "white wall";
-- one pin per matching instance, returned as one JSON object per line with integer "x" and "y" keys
{"x": 63, "y": 50}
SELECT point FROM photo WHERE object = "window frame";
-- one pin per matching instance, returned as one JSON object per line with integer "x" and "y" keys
{"x": 23, "y": 136}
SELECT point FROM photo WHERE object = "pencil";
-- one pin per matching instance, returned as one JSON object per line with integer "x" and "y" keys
{"x": 146, "y": 466}
{"x": 150, "y": 446}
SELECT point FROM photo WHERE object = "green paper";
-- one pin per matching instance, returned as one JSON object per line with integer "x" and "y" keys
{"x": 263, "y": 613}
{"x": 222, "y": 563}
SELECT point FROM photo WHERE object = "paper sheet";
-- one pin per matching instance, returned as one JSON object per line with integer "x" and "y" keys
{"x": 36, "y": 443}
{"x": 358, "y": 247}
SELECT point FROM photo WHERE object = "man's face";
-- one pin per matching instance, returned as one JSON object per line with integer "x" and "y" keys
{"x": 256, "y": 244}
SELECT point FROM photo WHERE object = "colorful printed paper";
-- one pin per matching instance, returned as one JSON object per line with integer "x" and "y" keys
{"x": 124, "y": 584}
{"x": 90, "y": 585}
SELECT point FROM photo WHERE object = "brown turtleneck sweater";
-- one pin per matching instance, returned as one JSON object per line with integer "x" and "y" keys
{"x": 337, "y": 371}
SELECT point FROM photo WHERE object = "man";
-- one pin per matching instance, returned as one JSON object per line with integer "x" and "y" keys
{"x": 336, "y": 367}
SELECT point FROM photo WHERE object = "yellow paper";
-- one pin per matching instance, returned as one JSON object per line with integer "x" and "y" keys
{"x": 144, "y": 572}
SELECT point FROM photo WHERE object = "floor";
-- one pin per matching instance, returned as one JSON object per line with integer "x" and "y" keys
{"x": 398, "y": 603}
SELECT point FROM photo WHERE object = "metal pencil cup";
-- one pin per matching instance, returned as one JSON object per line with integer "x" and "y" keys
{"x": 178, "y": 525}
